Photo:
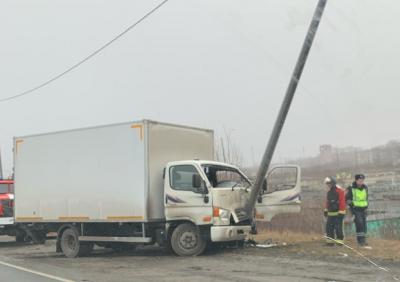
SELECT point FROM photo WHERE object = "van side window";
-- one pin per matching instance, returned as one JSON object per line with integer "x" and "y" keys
{"x": 282, "y": 178}
{"x": 180, "y": 177}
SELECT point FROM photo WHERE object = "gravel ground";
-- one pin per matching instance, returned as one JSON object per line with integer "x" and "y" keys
{"x": 286, "y": 263}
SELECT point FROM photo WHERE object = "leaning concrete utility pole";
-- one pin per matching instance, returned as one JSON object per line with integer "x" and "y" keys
{"x": 280, "y": 120}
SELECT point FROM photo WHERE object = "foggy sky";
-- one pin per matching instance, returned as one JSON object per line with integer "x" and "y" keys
{"x": 214, "y": 64}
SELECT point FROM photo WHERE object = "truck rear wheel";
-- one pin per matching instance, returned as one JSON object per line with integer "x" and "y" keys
{"x": 186, "y": 240}
{"x": 70, "y": 245}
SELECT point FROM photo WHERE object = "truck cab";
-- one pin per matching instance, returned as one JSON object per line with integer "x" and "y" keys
{"x": 7, "y": 225}
{"x": 208, "y": 193}
{"x": 213, "y": 196}
{"x": 6, "y": 202}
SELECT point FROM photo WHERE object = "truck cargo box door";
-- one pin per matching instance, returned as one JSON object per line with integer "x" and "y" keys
{"x": 184, "y": 199}
{"x": 280, "y": 193}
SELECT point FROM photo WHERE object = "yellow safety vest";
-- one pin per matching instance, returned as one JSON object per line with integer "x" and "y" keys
{"x": 360, "y": 197}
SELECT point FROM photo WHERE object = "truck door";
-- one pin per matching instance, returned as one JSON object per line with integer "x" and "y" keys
{"x": 186, "y": 194}
{"x": 280, "y": 193}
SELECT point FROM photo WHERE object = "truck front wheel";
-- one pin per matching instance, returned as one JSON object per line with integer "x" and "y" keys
{"x": 186, "y": 240}
{"x": 70, "y": 245}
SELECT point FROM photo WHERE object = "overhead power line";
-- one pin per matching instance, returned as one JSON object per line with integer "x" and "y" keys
{"x": 87, "y": 58}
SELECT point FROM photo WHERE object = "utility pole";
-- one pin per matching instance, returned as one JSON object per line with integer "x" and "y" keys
{"x": 280, "y": 120}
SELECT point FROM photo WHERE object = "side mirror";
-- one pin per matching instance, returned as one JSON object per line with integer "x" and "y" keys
{"x": 198, "y": 184}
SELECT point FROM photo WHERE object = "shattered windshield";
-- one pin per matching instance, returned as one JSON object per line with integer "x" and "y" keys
{"x": 225, "y": 177}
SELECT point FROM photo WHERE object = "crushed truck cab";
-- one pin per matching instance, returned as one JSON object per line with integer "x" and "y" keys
{"x": 208, "y": 193}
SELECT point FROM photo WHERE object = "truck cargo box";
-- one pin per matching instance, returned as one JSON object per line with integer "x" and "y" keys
{"x": 101, "y": 174}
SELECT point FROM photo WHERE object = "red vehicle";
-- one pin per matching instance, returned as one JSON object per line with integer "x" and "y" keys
{"x": 6, "y": 198}
{"x": 7, "y": 225}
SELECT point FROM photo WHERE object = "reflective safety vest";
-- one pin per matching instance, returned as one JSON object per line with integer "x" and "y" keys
{"x": 359, "y": 198}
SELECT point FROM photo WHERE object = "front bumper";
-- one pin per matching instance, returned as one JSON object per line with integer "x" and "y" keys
{"x": 6, "y": 220}
{"x": 229, "y": 233}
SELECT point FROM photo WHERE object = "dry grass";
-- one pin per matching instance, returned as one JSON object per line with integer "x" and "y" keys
{"x": 382, "y": 248}
{"x": 286, "y": 236}
{"x": 305, "y": 231}
{"x": 313, "y": 244}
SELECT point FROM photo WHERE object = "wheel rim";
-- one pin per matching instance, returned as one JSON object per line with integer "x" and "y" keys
{"x": 188, "y": 240}
{"x": 71, "y": 242}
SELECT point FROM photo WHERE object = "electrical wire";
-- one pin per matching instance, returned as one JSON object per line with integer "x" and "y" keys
{"x": 385, "y": 269}
{"x": 87, "y": 58}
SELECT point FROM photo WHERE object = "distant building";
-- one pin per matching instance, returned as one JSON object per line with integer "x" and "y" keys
{"x": 353, "y": 159}
{"x": 326, "y": 153}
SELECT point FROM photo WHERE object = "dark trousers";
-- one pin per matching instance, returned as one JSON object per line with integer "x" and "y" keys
{"x": 334, "y": 227}
{"x": 360, "y": 220}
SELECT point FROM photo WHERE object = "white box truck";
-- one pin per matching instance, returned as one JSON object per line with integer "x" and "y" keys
{"x": 133, "y": 183}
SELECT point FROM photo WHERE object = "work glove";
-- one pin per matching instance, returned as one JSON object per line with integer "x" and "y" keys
{"x": 326, "y": 213}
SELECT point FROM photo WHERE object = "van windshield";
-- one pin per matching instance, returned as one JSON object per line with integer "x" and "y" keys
{"x": 5, "y": 188}
{"x": 225, "y": 177}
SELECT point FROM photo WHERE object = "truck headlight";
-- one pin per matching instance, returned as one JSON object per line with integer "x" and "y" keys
{"x": 222, "y": 213}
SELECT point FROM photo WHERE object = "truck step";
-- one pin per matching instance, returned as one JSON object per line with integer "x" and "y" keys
{"x": 115, "y": 239}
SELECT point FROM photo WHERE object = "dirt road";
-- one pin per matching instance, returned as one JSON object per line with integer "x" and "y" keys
{"x": 153, "y": 264}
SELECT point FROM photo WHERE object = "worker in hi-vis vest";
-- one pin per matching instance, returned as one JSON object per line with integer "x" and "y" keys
{"x": 357, "y": 199}
{"x": 335, "y": 210}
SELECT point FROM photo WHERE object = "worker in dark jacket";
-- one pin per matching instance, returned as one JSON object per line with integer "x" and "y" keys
{"x": 335, "y": 210}
{"x": 357, "y": 199}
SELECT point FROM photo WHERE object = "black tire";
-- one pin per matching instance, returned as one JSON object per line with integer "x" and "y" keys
{"x": 20, "y": 237}
{"x": 70, "y": 245}
{"x": 186, "y": 240}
